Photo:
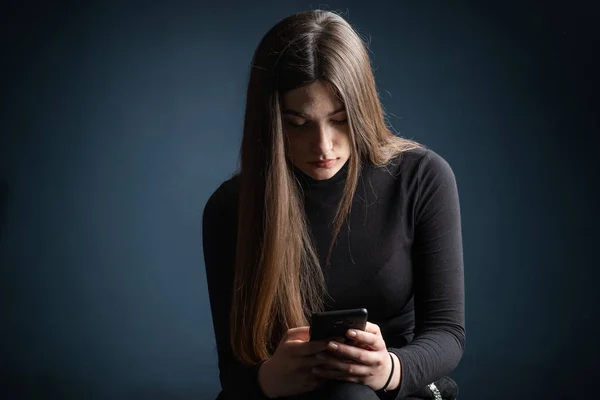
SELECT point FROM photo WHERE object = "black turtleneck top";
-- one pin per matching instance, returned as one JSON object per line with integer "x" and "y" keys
{"x": 399, "y": 255}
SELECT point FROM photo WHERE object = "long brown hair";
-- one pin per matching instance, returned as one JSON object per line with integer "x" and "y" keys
{"x": 278, "y": 280}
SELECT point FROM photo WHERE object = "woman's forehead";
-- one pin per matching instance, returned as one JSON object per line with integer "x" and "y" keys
{"x": 316, "y": 98}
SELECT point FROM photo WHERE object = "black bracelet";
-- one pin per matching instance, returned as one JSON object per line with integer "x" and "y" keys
{"x": 384, "y": 388}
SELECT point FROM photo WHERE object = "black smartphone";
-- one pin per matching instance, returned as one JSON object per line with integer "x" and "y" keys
{"x": 333, "y": 324}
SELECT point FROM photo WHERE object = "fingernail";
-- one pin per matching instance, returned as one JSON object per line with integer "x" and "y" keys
{"x": 333, "y": 346}
{"x": 352, "y": 333}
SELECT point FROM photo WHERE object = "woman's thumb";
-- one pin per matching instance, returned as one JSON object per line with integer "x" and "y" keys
{"x": 300, "y": 333}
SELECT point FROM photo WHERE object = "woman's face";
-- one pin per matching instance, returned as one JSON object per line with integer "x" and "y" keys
{"x": 315, "y": 125}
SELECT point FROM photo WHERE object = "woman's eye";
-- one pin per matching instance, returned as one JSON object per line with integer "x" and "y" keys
{"x": 295, "y": 125}
{"x": 306, "y": 124}
{"x": 340, "y": 121}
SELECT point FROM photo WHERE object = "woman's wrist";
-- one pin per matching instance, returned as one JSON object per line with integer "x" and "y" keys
{"x": 264, "y": 381}
{"x": 397, "y": 376}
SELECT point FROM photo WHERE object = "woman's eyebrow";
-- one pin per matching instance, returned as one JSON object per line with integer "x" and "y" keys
{"x": 299, "y": 114}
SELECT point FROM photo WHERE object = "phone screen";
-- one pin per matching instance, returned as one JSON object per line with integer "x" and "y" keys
{"x": 335, "y": 324}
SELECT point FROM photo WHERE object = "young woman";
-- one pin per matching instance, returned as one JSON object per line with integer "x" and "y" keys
{"x": 330, "y": 211}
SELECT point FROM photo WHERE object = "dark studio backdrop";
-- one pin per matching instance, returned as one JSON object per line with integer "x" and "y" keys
{"x": 119, "y": 121}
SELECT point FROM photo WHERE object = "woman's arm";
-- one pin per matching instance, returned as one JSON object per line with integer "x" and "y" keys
{"x": 437, "y": 257}
{"x": 219, "y": 243}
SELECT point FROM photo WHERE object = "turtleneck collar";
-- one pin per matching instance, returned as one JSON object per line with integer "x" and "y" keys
{"x": 309, "y": 183}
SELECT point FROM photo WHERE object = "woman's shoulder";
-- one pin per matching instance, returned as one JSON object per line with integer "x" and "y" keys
{"x": 225, "y": 196}
{"x": 420, "y": 161}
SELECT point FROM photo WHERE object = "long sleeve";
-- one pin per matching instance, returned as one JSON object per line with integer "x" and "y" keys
{"x": 437, "y": 259}
{"x": 219, "y": 242}
{"x": 402, "y": 261}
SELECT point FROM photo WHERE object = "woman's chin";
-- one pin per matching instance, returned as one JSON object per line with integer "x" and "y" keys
{"x": 321, "y": 174}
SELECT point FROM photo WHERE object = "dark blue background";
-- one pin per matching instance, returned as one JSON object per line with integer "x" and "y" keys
{"x": 119, "y": 122}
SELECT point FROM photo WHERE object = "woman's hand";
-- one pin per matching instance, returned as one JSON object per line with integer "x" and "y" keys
{"x": 366, "y": 361}
{"x": 289, "y": 370}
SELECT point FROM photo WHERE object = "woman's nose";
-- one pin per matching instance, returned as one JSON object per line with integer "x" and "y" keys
{"x": 322, "y": 140}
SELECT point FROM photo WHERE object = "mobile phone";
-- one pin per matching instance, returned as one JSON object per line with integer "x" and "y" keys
{"x": 332, "y": 324}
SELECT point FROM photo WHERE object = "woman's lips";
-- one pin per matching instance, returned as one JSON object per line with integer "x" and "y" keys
{"x": 324, "y": 163}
